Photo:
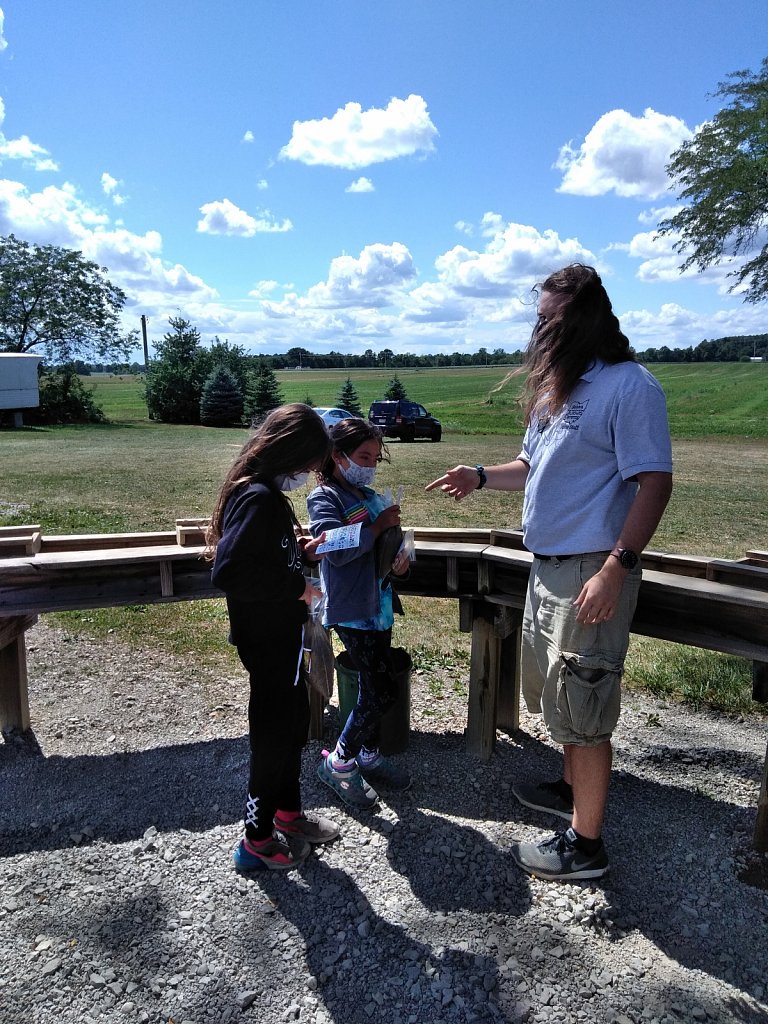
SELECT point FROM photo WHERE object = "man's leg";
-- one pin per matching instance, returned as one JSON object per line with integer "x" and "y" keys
{"x": 588, "y": 771}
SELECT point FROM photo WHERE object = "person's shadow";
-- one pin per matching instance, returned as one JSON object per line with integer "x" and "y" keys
{"x": 368, "y": 968}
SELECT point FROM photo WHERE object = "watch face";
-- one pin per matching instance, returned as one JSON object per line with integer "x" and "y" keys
{"x": 628, "y": 558}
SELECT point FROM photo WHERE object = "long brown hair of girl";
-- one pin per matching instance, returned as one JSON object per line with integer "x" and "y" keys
{"x": 287, "y": 441}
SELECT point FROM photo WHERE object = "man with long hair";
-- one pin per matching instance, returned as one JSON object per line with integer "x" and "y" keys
{"x": 596, "y": 471}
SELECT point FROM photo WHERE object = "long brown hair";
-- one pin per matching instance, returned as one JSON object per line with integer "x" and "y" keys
{"x": 346, "y": 437}
{"x": 287, "y": 441}
{"x": 561, "y": 348}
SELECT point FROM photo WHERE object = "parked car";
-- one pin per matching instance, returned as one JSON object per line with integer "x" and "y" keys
{"x": 404, "y": 419}
{"x": 331, "y": 416}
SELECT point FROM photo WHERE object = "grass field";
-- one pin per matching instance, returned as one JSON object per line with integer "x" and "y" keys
{"x": 704, "y": 399}
{"x": 135, "y": 474}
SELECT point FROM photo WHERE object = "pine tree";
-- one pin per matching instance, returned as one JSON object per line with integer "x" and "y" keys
{"x": 174, "y": 383}
{"x": 395, "y": 390}
{"x": 221, "y": 403}
{"x": 262, "y": 393}
{"x": 349, "y": 399}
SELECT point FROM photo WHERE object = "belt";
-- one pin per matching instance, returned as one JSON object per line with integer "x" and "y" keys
{"x": 548, "y": 558}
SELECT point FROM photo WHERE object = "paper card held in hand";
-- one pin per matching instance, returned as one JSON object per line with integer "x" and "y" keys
{"x": 343, "y": 537}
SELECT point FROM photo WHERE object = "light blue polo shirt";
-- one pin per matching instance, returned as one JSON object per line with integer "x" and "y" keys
{"x": 582, "y": 462}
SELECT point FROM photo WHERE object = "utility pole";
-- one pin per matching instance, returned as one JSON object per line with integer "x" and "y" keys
{"x": 146, "y": 347}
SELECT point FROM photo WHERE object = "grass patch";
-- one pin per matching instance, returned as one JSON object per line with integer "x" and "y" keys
{"x": 703, "y": 679}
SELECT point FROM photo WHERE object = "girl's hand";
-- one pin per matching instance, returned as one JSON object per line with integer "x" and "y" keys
{"x": 309, "y": 546}
{"x": 401, "y": 564}
{"x": 311, "y": 593}
{"x": 389, "y": 517}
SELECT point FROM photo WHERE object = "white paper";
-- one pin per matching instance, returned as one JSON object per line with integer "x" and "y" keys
{"x": 343, "y": 537}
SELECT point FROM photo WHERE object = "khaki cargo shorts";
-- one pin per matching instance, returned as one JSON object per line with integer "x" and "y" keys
{"x": 571, "y": 673}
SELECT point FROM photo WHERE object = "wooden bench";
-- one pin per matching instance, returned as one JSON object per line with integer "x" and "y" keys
{"x": 711, "y": 603}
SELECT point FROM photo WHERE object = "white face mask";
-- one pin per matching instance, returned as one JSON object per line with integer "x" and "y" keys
{"x": 357, "y": 476}
{"x": 291, "y": 483}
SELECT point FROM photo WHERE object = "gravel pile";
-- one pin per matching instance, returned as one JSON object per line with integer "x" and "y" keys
{"x": 118, "y": 902}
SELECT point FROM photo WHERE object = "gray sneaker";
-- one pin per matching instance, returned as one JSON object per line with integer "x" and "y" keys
{"x": 321, "y": 830}
{"x": 350, "y": 785}
{"x": 544, "y": 796}
{"x": 557, "y": 859}
{"x": 385, "y": 773}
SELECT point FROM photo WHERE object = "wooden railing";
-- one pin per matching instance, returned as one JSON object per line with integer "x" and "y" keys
{"x": 711, "y": 603}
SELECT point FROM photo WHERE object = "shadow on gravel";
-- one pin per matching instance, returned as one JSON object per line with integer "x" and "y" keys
{"x": 364, "y": 965}
{"x": 45, "y": 801}
{"x": 672, "y": 848}
{"x": 451, "y": 867}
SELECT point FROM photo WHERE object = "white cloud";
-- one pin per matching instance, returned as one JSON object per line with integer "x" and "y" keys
{"x": 224, "y": 218}
{"x": 23, "y": 148}
{"x": 517, "y": 255}
{"x": 53, "y": 215}
{"x": 58, "y": 216}
{"x": 435, "y": 304}
{"x": 375, "y": 279}
{"x": 3, "y": 40}
{"x": 623, "y": 154}
{"x": 355, "y": 138}
{"x": 249, "y": 136}
{"x": 465, "y": 227}
{"x": 660, "y": 262}
{"x": 109, "y": 186}
{"x": 262, "y": 289}
{"x": 361, "y": 185}
{"x": 262, "y": 184}
{"x": 677, "y": 327}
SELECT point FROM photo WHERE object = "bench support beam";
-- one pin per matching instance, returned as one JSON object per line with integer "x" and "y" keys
{"x": 14, "y": 695}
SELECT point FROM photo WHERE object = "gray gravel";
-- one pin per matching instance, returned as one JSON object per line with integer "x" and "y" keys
{"x": 118, "y": 902}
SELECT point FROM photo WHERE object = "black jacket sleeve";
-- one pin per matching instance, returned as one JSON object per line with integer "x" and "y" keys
{"x": 257, "y": 557}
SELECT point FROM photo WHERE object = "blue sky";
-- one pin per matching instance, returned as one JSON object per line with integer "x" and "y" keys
{"x": 354, "y": 175}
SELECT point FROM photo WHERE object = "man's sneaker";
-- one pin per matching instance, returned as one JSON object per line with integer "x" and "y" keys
{"x": 544, "y": 796}
{"x": 385, "y": 773}
{"x": 557, "y": 859}
{"x": 349, "y": 785}
{"x": 321, "y": 831}
{"x": 272, "y": 856}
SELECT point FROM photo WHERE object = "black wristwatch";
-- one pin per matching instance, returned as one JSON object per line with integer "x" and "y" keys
{"x": 627, "y": 559}
{"x": 483, "y": 477}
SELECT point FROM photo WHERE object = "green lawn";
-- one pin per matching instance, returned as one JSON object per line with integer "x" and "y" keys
{"x": 704, "y": 399}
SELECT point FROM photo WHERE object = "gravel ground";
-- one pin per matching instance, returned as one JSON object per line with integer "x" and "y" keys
{"x": 118, "y": 903}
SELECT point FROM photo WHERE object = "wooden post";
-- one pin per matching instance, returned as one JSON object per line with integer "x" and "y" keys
{"x": 484, "y": 668}
{"x": 761, "y": 825}
{"x": 760, "y": 681}
{"x": 14, "y": 696}
{"x": 508, "y": 708}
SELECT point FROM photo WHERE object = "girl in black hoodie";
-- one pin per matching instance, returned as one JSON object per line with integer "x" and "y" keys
{"x": 258, "y": 563}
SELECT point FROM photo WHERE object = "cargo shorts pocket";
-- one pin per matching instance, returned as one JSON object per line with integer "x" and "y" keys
{"x": 588, "y": 699}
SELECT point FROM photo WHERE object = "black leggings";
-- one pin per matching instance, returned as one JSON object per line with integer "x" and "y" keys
{"x": 370, "y": 651}
{"x": 278, "y": 722}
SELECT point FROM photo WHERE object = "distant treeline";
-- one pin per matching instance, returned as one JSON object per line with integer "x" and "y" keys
{"x": 739, "y": 348}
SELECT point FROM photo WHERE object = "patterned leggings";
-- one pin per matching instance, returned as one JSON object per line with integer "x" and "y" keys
{"x": 371, "y": 654}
